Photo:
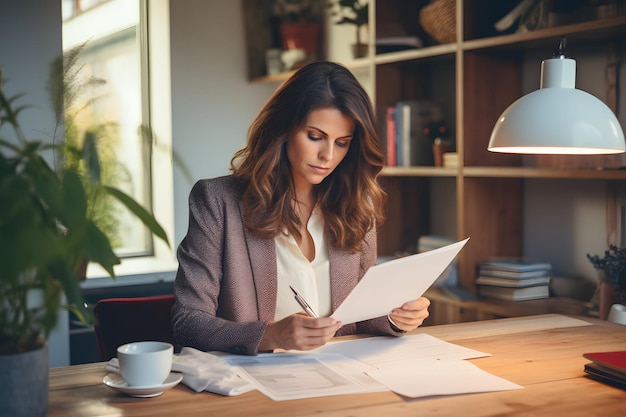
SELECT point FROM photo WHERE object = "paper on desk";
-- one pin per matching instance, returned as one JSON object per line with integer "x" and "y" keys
{"x": 413, "y": 365}
{"x": 286, "y": 376}
{"x": 428, "y": 377}
{"x": 391, "y": 284}
{"x": 382, "y": 351}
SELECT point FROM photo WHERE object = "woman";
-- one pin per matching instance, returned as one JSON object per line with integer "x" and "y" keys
{"x": 300, "y": 210}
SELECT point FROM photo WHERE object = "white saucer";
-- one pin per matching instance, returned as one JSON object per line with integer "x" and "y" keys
{"x": 116, "y": 382}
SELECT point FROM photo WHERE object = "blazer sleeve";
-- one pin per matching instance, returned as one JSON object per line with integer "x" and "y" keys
{"x": 202, "y": 318}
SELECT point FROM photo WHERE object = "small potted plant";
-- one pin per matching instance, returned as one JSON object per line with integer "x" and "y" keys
{"x": 612, "y": 278}
{"x": 352, "y": 12}
{"x": 299, "y": 26}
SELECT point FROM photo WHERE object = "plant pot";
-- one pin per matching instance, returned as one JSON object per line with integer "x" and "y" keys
{"x": 24, "y": 383}
{"x": 304, "y": 35}
{"x": 359, "y": 50}
{"x": 607, "y": 297}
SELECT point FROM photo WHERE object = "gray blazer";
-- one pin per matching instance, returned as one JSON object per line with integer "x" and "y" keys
{"x": 226, "y": 282}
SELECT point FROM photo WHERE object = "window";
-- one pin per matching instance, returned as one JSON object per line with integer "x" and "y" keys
{"x": 111, "y": 96}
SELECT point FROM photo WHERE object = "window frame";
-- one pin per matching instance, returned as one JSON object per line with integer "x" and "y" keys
{"x": 161, "y": 264}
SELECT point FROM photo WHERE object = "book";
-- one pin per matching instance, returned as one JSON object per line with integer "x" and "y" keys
{"x": 397, "y": 43}
{"x": 499, "y": 273}
{"x": 514, "y": 283}
{"x": 515, "y": 265}
{"x": 615, "y": 360}
{"x": 514, "y": 294}
{"x": 405, "y": 151}
{"x": 412, "y": 146}
{"x": 605, "y": 375}
{"x": 607, "y": 367}
{"x": 391, "y": 136}
{"x": 429, "y": 242}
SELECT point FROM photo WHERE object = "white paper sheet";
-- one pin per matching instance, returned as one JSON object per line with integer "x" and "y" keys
{"x": 391, "y": 284}
{"x": 380, "y": 352}
{"x": 293, "y": 376}
{"x": 428, "y": 377}
{"x": 414, "y": 365}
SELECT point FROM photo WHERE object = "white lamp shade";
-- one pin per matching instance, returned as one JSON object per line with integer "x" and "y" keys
{"x": 558, "y": 119}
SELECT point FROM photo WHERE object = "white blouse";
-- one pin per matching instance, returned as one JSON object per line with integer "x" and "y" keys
{"x": 310, "y": 279}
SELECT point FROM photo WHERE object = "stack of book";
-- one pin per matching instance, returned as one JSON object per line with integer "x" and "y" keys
{"x": 514, "y": 280}
{"x": 607, "y": 367}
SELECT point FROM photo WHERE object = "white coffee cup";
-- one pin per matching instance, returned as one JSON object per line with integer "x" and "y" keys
{"x": 145, "y": 364}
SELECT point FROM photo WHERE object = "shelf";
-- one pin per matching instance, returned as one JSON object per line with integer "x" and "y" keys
{"x": 521, "y": 172}
{"x": 354, "y": 65}
{"x": 411, "y": 54}
{"x": 419, "y": 171}
{"x": 590, "y": 30}
{"x": 506, "y": 172}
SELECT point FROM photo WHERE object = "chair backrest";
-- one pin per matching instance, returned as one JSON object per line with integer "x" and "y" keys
{"x": 125, "y": 320}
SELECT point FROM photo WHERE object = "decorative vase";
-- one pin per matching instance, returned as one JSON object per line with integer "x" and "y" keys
{"x": 24, "y": 383}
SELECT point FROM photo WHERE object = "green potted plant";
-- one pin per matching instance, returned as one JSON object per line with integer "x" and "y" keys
{"x": 46, "y": 235}
{"x": 352, "y": 12}
{"x": 612, "y": 278}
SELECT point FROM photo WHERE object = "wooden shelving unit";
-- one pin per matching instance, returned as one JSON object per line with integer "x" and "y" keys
{"x": 473, "y": 79}
{"x": 486, "y": 78}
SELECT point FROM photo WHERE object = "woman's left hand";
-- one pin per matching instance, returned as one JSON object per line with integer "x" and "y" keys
{"x": 411, "y": 314}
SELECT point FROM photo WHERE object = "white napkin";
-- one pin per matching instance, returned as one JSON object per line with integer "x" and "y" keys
{"x": 202, "y": 371}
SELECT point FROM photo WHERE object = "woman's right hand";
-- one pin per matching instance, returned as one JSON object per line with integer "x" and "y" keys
{"x": 298, "y": 332}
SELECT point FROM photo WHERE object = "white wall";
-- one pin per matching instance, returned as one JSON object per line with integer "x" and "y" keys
{"x": 212, "y": 101}
{"x": 30, "y": 38}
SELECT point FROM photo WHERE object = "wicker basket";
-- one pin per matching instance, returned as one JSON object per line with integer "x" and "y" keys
{"x": 439, "y": 20}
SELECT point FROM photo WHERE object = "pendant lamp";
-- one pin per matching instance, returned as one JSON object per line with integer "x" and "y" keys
{"x": 558, "y": 118}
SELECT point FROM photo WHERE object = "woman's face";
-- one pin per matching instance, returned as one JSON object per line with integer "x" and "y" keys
{"x": 316, "y": 150}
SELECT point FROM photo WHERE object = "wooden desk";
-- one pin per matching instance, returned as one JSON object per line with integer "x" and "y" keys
{"x": 543, "y": 353}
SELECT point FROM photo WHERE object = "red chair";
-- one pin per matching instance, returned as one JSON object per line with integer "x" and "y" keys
{"x": 125, "y": 320}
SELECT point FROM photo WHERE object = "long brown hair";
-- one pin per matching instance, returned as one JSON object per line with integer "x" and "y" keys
{"x": 350, "y": 198}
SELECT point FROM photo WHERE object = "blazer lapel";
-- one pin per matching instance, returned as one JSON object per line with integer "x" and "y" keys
{"x": 262, "y": 254}
{"x": 344, "y": 274}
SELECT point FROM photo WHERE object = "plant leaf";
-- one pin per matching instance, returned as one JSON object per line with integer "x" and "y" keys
{"x": 99, "y": 248}
{"x": 145, "y": 217}
{"x": 74, "y": 200}
{"x": 90, "y": 156}
{"x": 62, "y": 272}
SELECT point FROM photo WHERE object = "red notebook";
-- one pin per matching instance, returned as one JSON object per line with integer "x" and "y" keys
{"x": 613, "y": 360}
{"x": 607, "y": 367}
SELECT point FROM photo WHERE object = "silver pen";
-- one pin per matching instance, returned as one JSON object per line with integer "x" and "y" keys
{"x": 305, "y": 306}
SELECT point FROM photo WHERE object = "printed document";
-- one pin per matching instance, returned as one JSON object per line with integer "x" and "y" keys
{"x": 391, "y": 284}
{"x": 289, "y": 376}
{"x": 414, "y": 365}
